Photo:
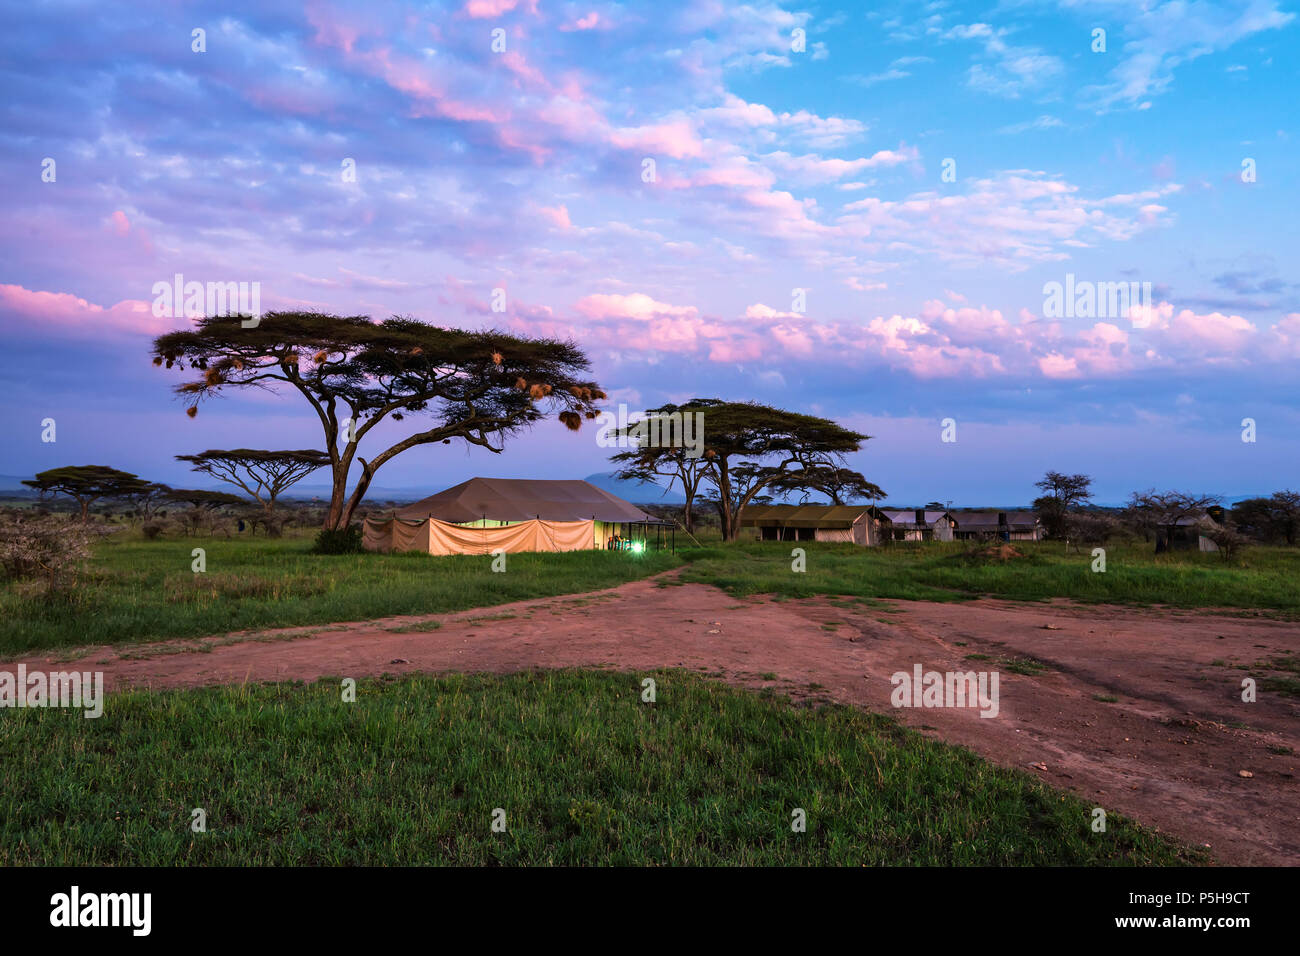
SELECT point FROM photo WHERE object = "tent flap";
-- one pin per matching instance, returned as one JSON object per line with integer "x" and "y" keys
{"x": 442, "y": 537}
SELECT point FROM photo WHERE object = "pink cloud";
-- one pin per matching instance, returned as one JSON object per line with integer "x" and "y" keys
{"x": 558, "y": 216}
{"x": 635, "y": 306}
{"x": 676, "y": 139}
{"x": 1056, "y": 365}
{"x": 26, "y": 310}
{"x": 591, "y": 21}
{"x": 483, "y": 9}
{"x": 760, "y": 311}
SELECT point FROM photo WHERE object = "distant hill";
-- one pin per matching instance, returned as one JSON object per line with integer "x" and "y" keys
{"x": 12, "y": 485}
{"x": 637, "y": 492}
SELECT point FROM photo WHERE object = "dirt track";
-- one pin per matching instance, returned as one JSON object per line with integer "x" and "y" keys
{"x": 1168, "y": 752}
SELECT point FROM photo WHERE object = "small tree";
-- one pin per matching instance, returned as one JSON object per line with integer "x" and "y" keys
{"x": 264, "y": 475}
{"x": 203, "y": 504}
{"x": 1166, "y": 509}
{"x": 840, "y": 485}
{"x": 203, "y": 498}
{"x": 1287, "y": 506}
{"x": 749, "y": 447}
{"x": 670, "y": 463}
{"x": 1226, "y": 538}
{"x": 1090, "y": 527}
{"x": 148, "y": 498}
{"x": 648, "y": 463}
{"x": 87, "y": 484}
{"x": 1063, "y": 494}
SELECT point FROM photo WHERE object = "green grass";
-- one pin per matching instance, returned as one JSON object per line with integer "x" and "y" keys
{"x": 586, "y": 773}
{"x": 1263, "y": 579}
{"x": 1288, "y": 683}
{"x": 145, "y": 590}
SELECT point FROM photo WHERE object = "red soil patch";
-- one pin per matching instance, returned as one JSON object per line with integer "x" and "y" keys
{"x": 1168, "y": 752}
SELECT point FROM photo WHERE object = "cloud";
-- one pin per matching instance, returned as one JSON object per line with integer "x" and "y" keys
{"x": 1042, "y": 122}
{"x": 1160, "y": 37}
{"x": 638, "y": 305}
{"x": 31, "y": 313}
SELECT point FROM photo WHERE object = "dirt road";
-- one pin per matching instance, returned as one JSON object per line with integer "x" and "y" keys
{"x": 1168, "y": 750}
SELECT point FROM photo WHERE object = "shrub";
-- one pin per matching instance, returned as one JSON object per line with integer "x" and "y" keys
{"x": 1229, "y": 540}
{"x": 339, "y": 541}
{"x": 151, "y": 530}
{"x": 1091, "y": 528}
{"x": 49, "y": 548}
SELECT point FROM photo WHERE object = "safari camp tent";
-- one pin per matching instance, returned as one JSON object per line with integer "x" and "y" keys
{"x": 995, "y": 525}
{"x": 484, "y": 515}
{"x": 1188, "y": 533}
{"x": 864, "y": 525}
{"x": 921, "y": 525}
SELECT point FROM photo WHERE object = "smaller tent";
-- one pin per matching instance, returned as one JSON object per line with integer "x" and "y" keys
{"x": 484, "y": 515}
{"x": 859, "y": 524}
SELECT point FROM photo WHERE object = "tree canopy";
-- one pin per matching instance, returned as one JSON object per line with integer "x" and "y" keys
{"x": 1276, "y": 517}
{"x": 480, "y": 387}
{"x": 1062, "y": 494}
{"x": 749, "y": 449}
{"x": 840, "y": 485}
{"x": 88, "y": 483}
{"x": 262, "y": 474}
{"x": 204, "y": 498}
{"x": 674, "y": 462}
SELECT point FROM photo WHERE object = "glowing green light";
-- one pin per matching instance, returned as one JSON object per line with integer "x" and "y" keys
{"x": 638, "y": 547}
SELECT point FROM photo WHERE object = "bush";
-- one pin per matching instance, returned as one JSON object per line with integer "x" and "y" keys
{"x": 1088, "y": 527}
{"x": 1229, "y": 540}
{"x": 44, "y": 547}
{"x": 151, "y": 530}
{"x": 339, "y": 541}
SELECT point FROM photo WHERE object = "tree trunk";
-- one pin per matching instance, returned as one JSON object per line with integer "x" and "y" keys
{"x": 334, "y": 515}
{"x": 724, "y": 499}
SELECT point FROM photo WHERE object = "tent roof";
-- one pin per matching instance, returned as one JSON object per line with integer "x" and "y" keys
{"x": 804, "y": 516}
{"x": 1016, "y": 520}
{"x": 518, "y": 499}
{"x": 908, "y": 516}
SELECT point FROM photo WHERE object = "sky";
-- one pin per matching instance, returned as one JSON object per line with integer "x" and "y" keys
{"x": 850, "y": 210}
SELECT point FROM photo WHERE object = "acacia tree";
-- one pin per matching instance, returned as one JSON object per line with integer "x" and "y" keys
{"x": 262, "y": 474}
{"x": 203, "y": 498}
{"x": 1063, "y": 494}
{"x": 146, "y": 499}
{"x": 1165, "y": 509}
{"x": 671, "y": 463}
{"x": 649, "y": 462}
{"x": 839, "y": 484}
{"x": 480, "y": 387}
{"x": 747, "y": 450}
{"x": 203, "y": 505}
{"x": 1277, "y": 516}
{"x": 750, "y": 447}
{"x": 87, "y": 484}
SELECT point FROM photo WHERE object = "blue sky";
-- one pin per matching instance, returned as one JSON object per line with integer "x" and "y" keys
{"x": 776, "y": 169}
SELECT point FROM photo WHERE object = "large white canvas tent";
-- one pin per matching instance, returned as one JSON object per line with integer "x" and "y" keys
{"x": 484, "y": 515}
